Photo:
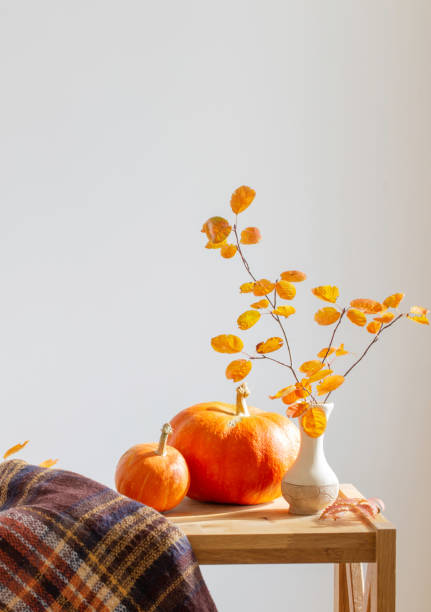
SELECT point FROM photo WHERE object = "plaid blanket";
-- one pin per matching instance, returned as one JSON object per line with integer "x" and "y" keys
{"x": 69, "y": 543}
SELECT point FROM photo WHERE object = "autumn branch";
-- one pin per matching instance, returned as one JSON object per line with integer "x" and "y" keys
{"x": 343, "y": 312}
{"x": 373, "y": 341}
{"x": 272, "y": 301}
{"x": 217, "y": 230}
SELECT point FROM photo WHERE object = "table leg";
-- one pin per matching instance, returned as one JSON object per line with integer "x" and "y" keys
{"x": 349, "y": 591}
{"x": 370, "y": 591}
{"x": 379, "y": 593}
{"x": 341, "y": 594}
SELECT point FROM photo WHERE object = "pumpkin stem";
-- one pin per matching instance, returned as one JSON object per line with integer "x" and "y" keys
{"x": 241, "y": 393}
{"x": 166, "y": 430}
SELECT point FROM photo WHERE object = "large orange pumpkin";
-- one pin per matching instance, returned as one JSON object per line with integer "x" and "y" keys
{"x": 154, "y": 474}
{"x": 235, "y": 454}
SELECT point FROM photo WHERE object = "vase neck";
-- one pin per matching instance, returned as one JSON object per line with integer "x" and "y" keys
{"x": 311, "y": 466}
{"x": 327, "y": 409}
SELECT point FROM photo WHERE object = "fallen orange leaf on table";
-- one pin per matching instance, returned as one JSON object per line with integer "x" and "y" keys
{"x": 361, "y": 506}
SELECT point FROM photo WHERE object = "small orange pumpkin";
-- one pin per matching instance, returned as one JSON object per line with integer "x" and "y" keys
{"x": 153, "y": 474}
{"x": 235, "y": 454}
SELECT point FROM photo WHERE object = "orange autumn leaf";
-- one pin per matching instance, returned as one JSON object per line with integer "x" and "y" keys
{"x": 297, "y": 409}
{"x": 15, "y": 449}
{"x": 217, "y": 229}
{"x": 330, "y": 383}
{"x": 248, "y": 318}
{"x": 303, "y": 388}
{"x": 260, "y": 304}
{"x": 326, "y": 293}
{"x": 246, "y": 288}
{"x": 367, "y": 306}
{"x": 386, "y": 317}
{"x": 227, "y": 343}
{"x": 285, "y": 289}
{"x": 419, "y": 310}
{"x": 419, "y": 319}
{"x": 314, "y": 421}
{"x": 228, "y": 250}
{"x": 211, "y": 245}
{"x": 392, "y": 301}
{"x": 263, "y": 287}
{"x": 311, "y": 367}
{"x": 283, "y": 392}
{"x": 319, "y": 375}
{"x": 327, "y": 315}
{"x": 295, "y": 392}
{"x": 284, "y": 311}
{"x": 48, "y": 463}
{"x": 270, "y": 345}
{"x": 373, "y": 327}
{"x": 238, "y": 369}
{"x": 419, "y": 315}
{"x": 293, "y": 276}
{"x": 325, "y": 352}
{"x": 338, "y": 352}
{"x": 241, "y": 199}
{"x": 290, "y": 398}
{"x": 341, "y": 351}
{"x": 250, "y": 235}
{"x": 356, "y": 316}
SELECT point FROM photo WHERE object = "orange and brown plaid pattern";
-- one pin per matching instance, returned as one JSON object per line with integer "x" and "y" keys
{"x": 69, "y": 543}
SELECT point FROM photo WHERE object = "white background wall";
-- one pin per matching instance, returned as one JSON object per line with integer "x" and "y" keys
{"x": 124, "y": 125}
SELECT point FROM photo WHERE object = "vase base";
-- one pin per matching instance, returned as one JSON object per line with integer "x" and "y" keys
{"x": 308, "y": 499}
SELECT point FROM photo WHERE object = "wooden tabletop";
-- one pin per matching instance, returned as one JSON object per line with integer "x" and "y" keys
{"x": 267, "y": 533}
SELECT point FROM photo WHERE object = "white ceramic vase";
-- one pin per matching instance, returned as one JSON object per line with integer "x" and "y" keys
{"x": 310, "y": 484}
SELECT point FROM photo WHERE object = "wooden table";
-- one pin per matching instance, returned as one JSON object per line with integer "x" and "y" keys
{"x": 269, "y": 534}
